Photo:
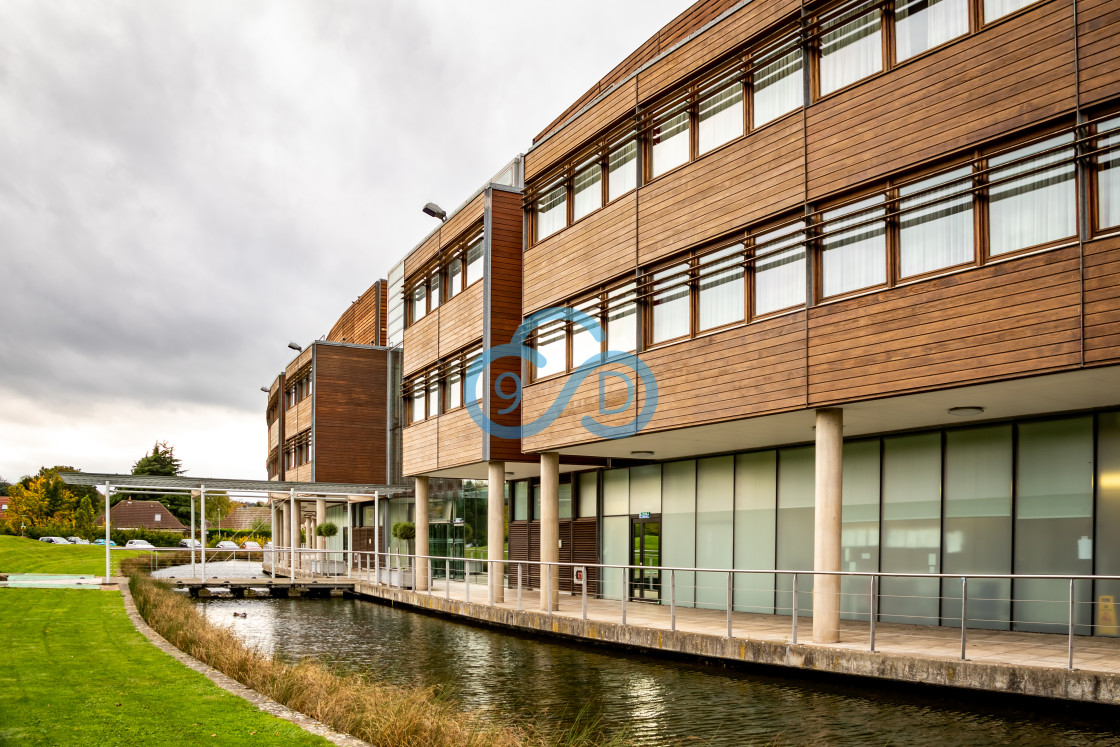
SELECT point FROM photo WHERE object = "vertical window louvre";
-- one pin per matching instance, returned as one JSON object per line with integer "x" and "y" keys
{"x": 851, "y": 48}
{"x": 552, "y": 211}
{"x": 1108, "y": 174}
{"x": 994, "y": 9}
{"x": 924, "y": 24}
{"x": 454, "y": 277}
{"x": 776, "y": 83}
{"x": 855, "y": 258}
{"x": 722, "y": 286}
{"x": 585, "y": 348}
{"x": 552, "y": 343}
{"x": 622, "y": 169}
{"x": 669, "y": 143}
{"x": 669, "y": 304}
{"x": 587, "y": 192}
{"x": 474, "y": 261}
{"x": 622, "y": 319}
{"x": 935, "y": 228}
{"x": 779, "y": 269}
{"x": 1038, "y": 207}
{"x": 720, "y": 115}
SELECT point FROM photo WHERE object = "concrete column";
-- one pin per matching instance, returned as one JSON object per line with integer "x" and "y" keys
{"x": 278, "y": 536}
{"x": 420, "y": 577}
{"x": 320, "y": 518}
{"x": 550, "y": 525}
{"x": 827, "y": 526}
{"x": 496, "y": 528}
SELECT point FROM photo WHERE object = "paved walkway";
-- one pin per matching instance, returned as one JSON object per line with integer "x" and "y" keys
{"x": 1096, "y": 654}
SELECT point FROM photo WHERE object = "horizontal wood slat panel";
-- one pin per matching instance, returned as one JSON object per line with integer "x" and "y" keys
{"x": 421, "y": 343}
{"x": 1098, "y": 53}
{"x": 420, "y": 447}
{"x": 746, "y": 180}
{"x": 460, "y": 439}
{"x": 457, "y": 224}
{"x": 460, "y": 320}
{"x": 597, "y": 248}
{"x": 351, "y": 420}
{"x": 1102, "y": 301}
{"x": 1010, "y": 76}
{"x": 507, "y": 255}
{"x": 420, "y": 256}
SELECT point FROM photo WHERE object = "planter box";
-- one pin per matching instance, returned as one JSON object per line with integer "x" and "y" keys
{"x": 395, "y": 578}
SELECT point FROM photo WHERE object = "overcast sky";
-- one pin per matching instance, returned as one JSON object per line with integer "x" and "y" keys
{"x": 187, "y": 186}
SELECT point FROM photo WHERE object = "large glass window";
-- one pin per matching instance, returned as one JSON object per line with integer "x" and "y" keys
{"x": 854, "y": 249}
{"x": 1107, "y": 553}
{"x": 779, "y": 269}
{"x": 1108, "y": 174}
{"x": 851, "y": 48}
{"x": 721, "y": 287}
{"x": 669, "y": 143}
{"x": 923, "y": 24}
{"x": 1031, "y": 204}
{"x": 417, "y": 410}
{"x": 552, "y": 211}
{"x": 622, "y": 169}
{"x": 552, "y": 344}
{"x": 994, "y": 9}
{"x": 720, "y": 115}
{"x": 588, "y": 494}
{"x": 520, "y": 500}
{"x": 622, "y": 319}
{"x": 777, "y": 83}
{"x": 587, "y": 190}
{"x": 935, "y": 229}
{"x": 475, "y": 268}
{"x": 585, "y": 348}
{"x": 669, "y": 304}
{"x": 419, "y": 302}
{"x": 859, "y": 534}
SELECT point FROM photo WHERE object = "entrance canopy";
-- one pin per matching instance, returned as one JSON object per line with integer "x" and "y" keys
{"x": 255, "y": 489}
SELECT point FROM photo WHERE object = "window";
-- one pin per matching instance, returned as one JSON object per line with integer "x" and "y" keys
{"x": 480, "y": 384}
{"x": 433, "y": 396}
{"x": 1032, "y": 199}
{"x": 454, "y": 390}
{"x": 552, "y": 343}
{"x": 669, "y": 303}
{"x": 994, "y": 9}
{"x": 777, "y": 81}
{"x": 417, "y": 411}
{"x": 552, "y": 211}
{"x": 851, "y": 47}
{"x": 924, "y": 24}
{"x": 454, "y": 277}
{"x": 936, "y": 226}
{"x": 434, "y": 285}
{"x": 622, "y": 318}
{"x": 419, "y": 302}
{"x": 721, "y": 288}
{"x": 720, "y": 114}
{"x": 854, "y": 247}
{"x": 585, "y": 348}
{"x": 779, "y": 269}
{"x": 587, "y": 190}
{"x": 622, "y": 169}
{"x": 1108, "y": 174}
{"x": 669, "y": 143}
{"x": 474, "y": 261}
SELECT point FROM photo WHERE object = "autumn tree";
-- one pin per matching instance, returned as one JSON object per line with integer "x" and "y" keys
{"x": 160, "y": 462}
{"x": 218, "y": 508}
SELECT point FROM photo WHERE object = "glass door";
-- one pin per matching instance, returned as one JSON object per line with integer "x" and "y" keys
{"x": 645, "y": 544}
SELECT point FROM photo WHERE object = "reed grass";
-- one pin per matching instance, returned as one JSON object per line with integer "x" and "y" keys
{"x": 350, "y": 702}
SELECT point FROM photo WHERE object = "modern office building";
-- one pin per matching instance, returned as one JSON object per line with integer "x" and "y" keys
{"x": 839, "y": 291}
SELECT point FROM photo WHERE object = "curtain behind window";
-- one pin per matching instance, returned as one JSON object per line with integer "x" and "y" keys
{"x": 936, "y": 232}
{"x": 1108, "y": 175}
{"x": 856, "y": 258}
{"x": 1038, "y": 208}
{"x": 722, "y": 287}
{"x": 923, "y": 24}
{"x": 779, "y": 269}
{"x": 777, "y": 87}
{"x": 851, "y": 48}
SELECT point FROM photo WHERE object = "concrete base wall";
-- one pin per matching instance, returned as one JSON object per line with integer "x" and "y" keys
{"x": 1047, "y": 682}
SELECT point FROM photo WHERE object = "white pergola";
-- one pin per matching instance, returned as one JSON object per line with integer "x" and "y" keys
{"x": 273, "y": 491}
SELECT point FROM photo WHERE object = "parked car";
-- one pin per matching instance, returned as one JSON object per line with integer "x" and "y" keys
{"x": 190, "y": 543}
{"x": 268, "y": 545}
{"x": 102, "y": 542}
{"x": 77, "y": 541}
{"x": 139, "y": 545}
{"x": 54, "y": 540}
{"x": 226, "y": 545}
{"x": 250, "y": 545}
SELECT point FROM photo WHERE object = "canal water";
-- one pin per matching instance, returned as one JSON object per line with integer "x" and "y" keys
{"x": 656, "y": 701}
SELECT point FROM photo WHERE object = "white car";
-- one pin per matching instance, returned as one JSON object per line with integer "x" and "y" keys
{"x": 226, "y": 545}
{"x": 77, "y": 541}
{"x": 139, "y": 545}
{"x": 54, "y": 540}
{"x": 250, "y": 545}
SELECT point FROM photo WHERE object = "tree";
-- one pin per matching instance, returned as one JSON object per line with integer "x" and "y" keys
{"x": 161, "y": 462}
{"x": 4, "y": 485}
{"x": 84, "y": 517}
{"x": 218, "y": 507}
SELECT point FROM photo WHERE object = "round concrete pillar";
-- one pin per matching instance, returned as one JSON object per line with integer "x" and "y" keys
{"x": 550, "y": 526}
{"x": 420, "y": 579}
{"x": 827, "y": 524}
{"x": 496, "y": 528}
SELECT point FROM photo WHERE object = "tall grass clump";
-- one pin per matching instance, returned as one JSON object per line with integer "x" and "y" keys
{"x": 353, "y": 703}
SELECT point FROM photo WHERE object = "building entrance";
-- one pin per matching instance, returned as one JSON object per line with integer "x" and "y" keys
{"x": 645, "y": 552}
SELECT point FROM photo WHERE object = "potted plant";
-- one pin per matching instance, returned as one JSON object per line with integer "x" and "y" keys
{"x": 325, "y": 530}
{"x": 404, "y": 532}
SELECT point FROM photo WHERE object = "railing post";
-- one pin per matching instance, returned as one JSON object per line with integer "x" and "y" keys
{"x": 794, "y": 609}
{"x": 548, "y": 586}
{"x": 467, "y": 580}
{"x": 874, "y": 607}
{"x": 447, "y": 578}
{"x": 964, "y": 615}
{"x": 583, "y": 592}
{"x": 490, "y": 581}
{"x": 730, "y": 601}
{"x": 431, "y": 575}
{"x": 518, "y": 587}
{"x": 1071, "y": 624}
{"x": 625, "y": 591}
{"x": 672, "y": 600}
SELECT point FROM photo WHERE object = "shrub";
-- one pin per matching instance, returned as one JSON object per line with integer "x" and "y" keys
{"x": 326, "y": 529}
{"x": 404, "y": 530}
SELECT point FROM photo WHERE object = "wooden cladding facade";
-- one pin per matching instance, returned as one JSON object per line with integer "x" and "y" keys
{"x": 351, "y": 414}
{"x": 363, "y": 323}
{"x": 579, "y": 540}
{"x": 486, "y": 313}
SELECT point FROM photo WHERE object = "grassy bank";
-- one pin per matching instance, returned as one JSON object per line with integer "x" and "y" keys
{"x": 379, "y": 713}
{"x": 77, "y": 672}
{"x": 22, "y": 555}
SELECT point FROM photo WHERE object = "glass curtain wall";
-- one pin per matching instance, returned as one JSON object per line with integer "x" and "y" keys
{"x": 678, "y": 528}
{"x": 1108, "y": 515}
{"x": 756, "y": 495}
{"x": 715, "y": 528}
{"x": 795, "y": 528}
{"x": 616, "y": 530}
{"x": 859, "y": 534}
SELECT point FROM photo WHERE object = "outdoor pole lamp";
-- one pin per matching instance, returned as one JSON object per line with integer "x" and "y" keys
{"x": 264, "y": 389}
{"x": 295, "y": 347}
{"x": 435, "y": 211}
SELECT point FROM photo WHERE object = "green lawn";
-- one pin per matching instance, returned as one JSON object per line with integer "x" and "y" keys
{"x": 76, "y": 672}
{"x": 21, "y": 555}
